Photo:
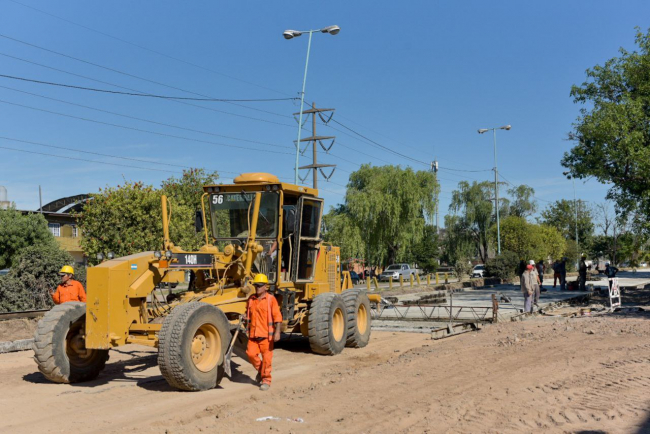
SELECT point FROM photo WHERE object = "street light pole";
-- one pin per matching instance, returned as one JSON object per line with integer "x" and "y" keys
{"x": 496, "y": 180}
{"x": 496, "y": 192}
{"x": 290, "y": 34}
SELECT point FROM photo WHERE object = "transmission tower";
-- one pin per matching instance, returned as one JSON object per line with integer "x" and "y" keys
{"x": 314, "y": 168}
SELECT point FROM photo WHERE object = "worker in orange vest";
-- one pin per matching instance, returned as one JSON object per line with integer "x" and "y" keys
{"x": 69, "y": 289}
{"x": 264, "y": 320}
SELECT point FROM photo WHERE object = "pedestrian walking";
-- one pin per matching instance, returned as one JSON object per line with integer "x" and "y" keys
{"x": 527, "y": 282}
{"x": 264, "y": 325}
{"x": 582, "y": 273}
{"x": 69, "y": 289}
{"x": 541, "y": 267}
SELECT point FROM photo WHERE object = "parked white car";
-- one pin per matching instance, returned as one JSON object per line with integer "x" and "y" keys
{"x": 478, "y": 271}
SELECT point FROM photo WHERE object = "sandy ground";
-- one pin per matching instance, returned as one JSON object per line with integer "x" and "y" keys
{"x": 586, "y": 374}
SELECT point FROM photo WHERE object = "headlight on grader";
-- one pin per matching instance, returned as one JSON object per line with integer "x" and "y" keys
{"x": 157, "y": 254}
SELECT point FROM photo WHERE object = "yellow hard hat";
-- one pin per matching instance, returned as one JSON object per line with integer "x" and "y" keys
{"x": 260, "y": 279}
{"x": 67, "y": 269}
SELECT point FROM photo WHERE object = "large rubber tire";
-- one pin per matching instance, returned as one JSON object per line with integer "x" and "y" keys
{"x": 59, "y": 347}
{"x": 327, "y": 324}
{"x": 191, "y": 346}
{"x": 358, "y": 310}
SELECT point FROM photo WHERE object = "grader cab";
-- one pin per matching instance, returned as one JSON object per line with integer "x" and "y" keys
{"x": 256, "y": 225}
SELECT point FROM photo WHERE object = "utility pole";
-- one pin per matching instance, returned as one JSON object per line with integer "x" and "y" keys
{"x": 434, "y": 168}
{"x": 315, "y": 167}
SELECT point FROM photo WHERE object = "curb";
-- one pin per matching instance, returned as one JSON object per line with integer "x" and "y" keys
{"x": 19, "y": 345}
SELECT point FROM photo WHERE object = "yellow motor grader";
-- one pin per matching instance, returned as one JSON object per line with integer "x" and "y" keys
{"x": 255, "y": 225}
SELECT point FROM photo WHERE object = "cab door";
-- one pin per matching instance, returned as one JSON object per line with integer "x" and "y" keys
{"x": 307, "y": 239}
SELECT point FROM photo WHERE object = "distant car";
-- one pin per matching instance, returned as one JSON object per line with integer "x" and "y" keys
{"x": 4, "y": 272}
{"x": 478, "y": 271}
{"x": 397, "y": 270}
{"x": 643, "y": 265}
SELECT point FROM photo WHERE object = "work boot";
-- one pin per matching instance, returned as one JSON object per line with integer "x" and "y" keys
{"x": 265, "y": 386}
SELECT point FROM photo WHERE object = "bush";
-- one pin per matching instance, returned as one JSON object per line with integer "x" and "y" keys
{"x": 503, "y": 266}
{"x": 462, "y": 268}
{"x": 33, "y": 274}
{"x": 18, "y": 231}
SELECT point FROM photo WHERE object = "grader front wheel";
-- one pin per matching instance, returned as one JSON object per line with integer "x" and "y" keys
{"x": 327, "y": 324}
{"x": 191, "y": 346}
{"x": 59, "y": 346}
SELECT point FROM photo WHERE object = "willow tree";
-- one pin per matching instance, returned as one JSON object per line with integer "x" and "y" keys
{"x": 473, "y": 205}
{"x": 390, "y": 205}
{"x": 340, "y": 230}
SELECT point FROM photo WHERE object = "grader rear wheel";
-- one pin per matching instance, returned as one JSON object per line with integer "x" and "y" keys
{"x": 191, "y": 346}
{"x": 358, "y": 309}
{"x": 60, "y": 349}
{"x": 327, "y": 324}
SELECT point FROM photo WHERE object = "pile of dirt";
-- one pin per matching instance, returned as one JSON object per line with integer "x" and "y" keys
{"x": 14, "y": 329}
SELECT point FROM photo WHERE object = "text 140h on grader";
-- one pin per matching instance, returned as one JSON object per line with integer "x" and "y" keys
{"x": 257, "y": 225}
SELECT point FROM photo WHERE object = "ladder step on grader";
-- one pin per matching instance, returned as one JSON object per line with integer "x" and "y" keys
{"x": 255, "y": 225}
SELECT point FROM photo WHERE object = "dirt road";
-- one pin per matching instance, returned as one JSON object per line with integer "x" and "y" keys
{"x": 556, "y": 375}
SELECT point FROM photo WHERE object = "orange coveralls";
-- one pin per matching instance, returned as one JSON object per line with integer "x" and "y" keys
{"x": 70, "y": 291}
{"x": 261, "y": 313}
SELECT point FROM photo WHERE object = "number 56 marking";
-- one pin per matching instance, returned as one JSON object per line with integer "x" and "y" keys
{"x": 217, "y": 199}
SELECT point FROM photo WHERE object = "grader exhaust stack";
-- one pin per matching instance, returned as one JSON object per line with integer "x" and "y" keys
{"x": 255, "y": 225}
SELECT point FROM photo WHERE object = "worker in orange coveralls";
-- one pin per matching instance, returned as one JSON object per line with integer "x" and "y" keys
{"x": 69, "y": 289}
{"x": 264, "y": 321}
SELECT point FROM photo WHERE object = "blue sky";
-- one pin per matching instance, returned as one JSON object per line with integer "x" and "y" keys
{"x": 419, "y": 77}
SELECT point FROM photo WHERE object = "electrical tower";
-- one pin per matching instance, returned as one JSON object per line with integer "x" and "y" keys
{"x": 315, "y": 167}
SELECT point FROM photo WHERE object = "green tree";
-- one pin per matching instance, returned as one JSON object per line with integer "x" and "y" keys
{"x": 18, "y": 231}
{"x": 529, "y": 240}
{"x": 128, "y": 219}
{"x": 611, "y": 133}
{"x": 340, "y": 230}
{"x": 472, "y": 204}
{"x": 561, "y": 215}
{"x": 523, "y": 203}
{"x": 426, "y": 253}
{"x": 390, "y": 205}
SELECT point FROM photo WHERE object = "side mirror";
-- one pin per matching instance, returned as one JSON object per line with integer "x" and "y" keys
{"x": 198, "y": 221}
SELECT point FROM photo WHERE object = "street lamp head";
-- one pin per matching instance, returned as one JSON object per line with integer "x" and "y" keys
{"x": 506, "y": 127}
{"x": 483, "y": 130}
{"x": 290, "y": 34}
{"x": 332, "y": 30}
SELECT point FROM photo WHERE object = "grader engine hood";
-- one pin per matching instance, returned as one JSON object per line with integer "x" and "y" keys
{"x": 116, "y": 290}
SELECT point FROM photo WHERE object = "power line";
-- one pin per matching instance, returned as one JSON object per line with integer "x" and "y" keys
{"x": 117, "y": 71}
{"x": 148, "y": 95}
{"x": 101, "y": 154}
{"x": 136, "y": 90}
{"x": 141, "y": 130}
{"x": 147, "y": 120}
{"x": 148, "y": 49}
{"x": 379, "y": 144}
{"x": 88, "y": 161}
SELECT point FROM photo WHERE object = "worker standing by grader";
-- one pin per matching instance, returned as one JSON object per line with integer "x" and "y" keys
{"x": 253, "y": 227}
